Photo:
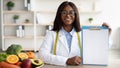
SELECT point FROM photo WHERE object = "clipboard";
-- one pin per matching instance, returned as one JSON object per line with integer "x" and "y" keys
{"x": 95, "y": 44}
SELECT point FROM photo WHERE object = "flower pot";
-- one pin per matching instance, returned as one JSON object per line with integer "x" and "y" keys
{"x": 10, "y": 8}
{"x": 16, "y": 21}
{"x": 90, "y": 22}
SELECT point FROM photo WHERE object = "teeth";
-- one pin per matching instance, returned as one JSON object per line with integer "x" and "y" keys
{"x": 67, "y": 19}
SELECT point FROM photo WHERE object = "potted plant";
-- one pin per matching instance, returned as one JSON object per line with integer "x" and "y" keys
{"x": 90, "y": 20}
{"x": 10, "y": 5}
{"x": 15, "y": 18}
{"x": 27, "y": 20}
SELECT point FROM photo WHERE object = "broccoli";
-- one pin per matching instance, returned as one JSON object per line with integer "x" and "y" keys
{"x": 3, "y": 56}
{"x": 14, "y": 49}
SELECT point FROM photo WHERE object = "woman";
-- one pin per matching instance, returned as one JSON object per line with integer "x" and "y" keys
{"x": 61, "y": 45}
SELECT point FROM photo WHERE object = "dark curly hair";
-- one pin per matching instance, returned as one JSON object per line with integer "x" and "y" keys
{"x": 58, "y": 22}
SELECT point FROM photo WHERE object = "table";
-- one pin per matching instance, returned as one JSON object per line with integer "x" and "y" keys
{"x": 112, "y": 64}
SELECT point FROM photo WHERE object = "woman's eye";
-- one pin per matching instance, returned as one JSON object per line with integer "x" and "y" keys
{"x": 64, "y": 12}
{"x": 72, "y": 12}
{"x": 68, "y": 13}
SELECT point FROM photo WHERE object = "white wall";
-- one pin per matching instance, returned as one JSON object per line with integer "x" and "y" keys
{"x": 111, "y": 14}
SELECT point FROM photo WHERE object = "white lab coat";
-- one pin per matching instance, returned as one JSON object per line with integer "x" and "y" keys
{"x": 62, "y": 50}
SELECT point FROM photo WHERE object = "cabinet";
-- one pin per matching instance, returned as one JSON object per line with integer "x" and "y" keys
{"x": 18, "y": 32}
{"x": 0, "y": 29}
{"x": 35, "y": 30}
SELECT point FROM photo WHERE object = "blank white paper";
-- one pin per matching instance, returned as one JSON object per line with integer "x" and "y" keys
{"x": 95, "y": 46}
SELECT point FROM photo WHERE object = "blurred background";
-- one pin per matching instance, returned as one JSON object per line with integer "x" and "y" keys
{"x": 99, "y": 10}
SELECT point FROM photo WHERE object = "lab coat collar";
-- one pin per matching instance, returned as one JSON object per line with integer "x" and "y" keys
{"x": 62, "y": 38}
{"x": 71, "y": 32}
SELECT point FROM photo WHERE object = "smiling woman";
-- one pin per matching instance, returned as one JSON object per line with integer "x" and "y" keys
{"x": 61, "y": 45}
{"x": 66, "y": 25}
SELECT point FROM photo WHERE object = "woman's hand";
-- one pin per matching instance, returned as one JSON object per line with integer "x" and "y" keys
{"x": 107, "y": 25}
{"x": 74, "y": 60}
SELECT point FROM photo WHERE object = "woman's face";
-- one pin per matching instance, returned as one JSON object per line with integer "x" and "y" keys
{"x": 68, "y": 15}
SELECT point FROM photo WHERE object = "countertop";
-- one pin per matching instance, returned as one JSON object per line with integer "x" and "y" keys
{"x": 114, "y": 62}
{"x": 111, "y": 65}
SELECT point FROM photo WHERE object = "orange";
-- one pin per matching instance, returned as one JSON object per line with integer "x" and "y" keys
{"x": 12, "y": 59}
{"x": 23, "y": 56}
{"x": 31, "y": 55}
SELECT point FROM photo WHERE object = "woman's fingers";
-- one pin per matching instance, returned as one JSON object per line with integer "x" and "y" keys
{"x": 107, "y": 25}
{"x": 76, "y": 60}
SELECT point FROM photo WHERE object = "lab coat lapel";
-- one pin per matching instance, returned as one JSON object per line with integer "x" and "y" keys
{"x": 63, "y": 41}
{"x": 75, "y": 49}
{"x": 74, "y": 41}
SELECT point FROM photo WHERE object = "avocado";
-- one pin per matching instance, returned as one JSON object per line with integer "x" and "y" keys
{"x": 36, "y": 62}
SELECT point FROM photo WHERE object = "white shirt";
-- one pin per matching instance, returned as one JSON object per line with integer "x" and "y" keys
{"x": 68, "y": 36}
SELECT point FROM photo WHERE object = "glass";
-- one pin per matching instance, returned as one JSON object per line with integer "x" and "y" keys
{"x": 71, "y": 13}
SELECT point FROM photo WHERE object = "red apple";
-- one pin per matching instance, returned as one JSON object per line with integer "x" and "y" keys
{"x": 26, "y": 63}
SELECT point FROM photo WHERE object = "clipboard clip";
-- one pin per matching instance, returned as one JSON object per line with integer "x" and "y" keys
{"x": 95, "y": 28}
